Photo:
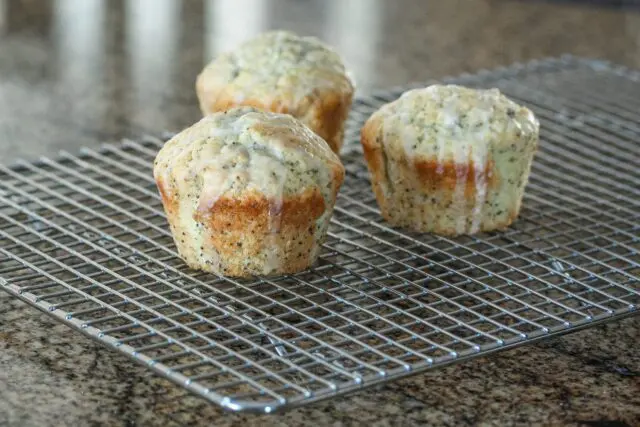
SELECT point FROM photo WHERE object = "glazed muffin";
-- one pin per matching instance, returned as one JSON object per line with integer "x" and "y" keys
{"x": 284, "y": 73}
{"x": 450, "y": 160}
{"x": 248, "y": 192}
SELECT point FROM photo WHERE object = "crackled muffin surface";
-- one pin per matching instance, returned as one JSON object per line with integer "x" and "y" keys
{"x": 248, "y": 192}
{"x": 282, "y": 72}
{"x": 449, "y": 159}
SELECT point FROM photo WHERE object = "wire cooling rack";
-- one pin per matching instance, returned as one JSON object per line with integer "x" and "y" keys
{"x": 84, "y": 238}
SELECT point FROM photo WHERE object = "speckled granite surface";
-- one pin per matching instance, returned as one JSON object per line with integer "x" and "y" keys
{"x": 54, "y": 376}
{"x": 121, "y": 70}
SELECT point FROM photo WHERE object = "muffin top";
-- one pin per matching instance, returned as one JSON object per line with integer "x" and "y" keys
{"x": 277, "y": 63}
{"x": 447, "y": 120}
{"x": 243, "y": 149}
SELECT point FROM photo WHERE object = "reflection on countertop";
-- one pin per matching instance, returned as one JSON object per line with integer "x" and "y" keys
{"x": 80, "y": 72}
{"x": 75, "y": 72}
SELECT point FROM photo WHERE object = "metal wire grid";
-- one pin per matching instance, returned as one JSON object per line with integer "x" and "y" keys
{"x": 84, "y": 238}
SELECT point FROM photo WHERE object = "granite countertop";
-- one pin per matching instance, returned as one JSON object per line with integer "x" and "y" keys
{"x": 80, "y": 72}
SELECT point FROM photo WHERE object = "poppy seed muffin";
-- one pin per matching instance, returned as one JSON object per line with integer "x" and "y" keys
{"x": 450, "y": 160}
{"x": 248, "y": 192}
{"x": 281, "y": 72}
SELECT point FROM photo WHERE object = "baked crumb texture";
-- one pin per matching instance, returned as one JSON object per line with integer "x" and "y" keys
{"x": 450, "y": 160}
{"x": 248, "y": 192}
{"x": 281, "y": 72}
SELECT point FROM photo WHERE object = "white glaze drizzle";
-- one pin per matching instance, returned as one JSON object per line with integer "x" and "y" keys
{"x": 461, "y": 159}
{"x": 481, "y": 171}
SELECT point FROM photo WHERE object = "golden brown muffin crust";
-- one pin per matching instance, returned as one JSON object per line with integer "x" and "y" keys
{"x": 227, "y": 214}
{"x": 449, "y": 160}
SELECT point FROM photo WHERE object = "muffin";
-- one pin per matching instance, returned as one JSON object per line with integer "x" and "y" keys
{"x": 450, "y": 160}
{"x": 248, "y": 192}
{"x": 281, "y": 72}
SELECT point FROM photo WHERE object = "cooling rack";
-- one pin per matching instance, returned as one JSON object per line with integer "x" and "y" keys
{"x": 84, "y": 238}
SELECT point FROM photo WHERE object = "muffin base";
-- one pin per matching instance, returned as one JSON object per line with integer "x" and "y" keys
{"x": 444, "y": 198}
{"x": 249, "y": 235}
